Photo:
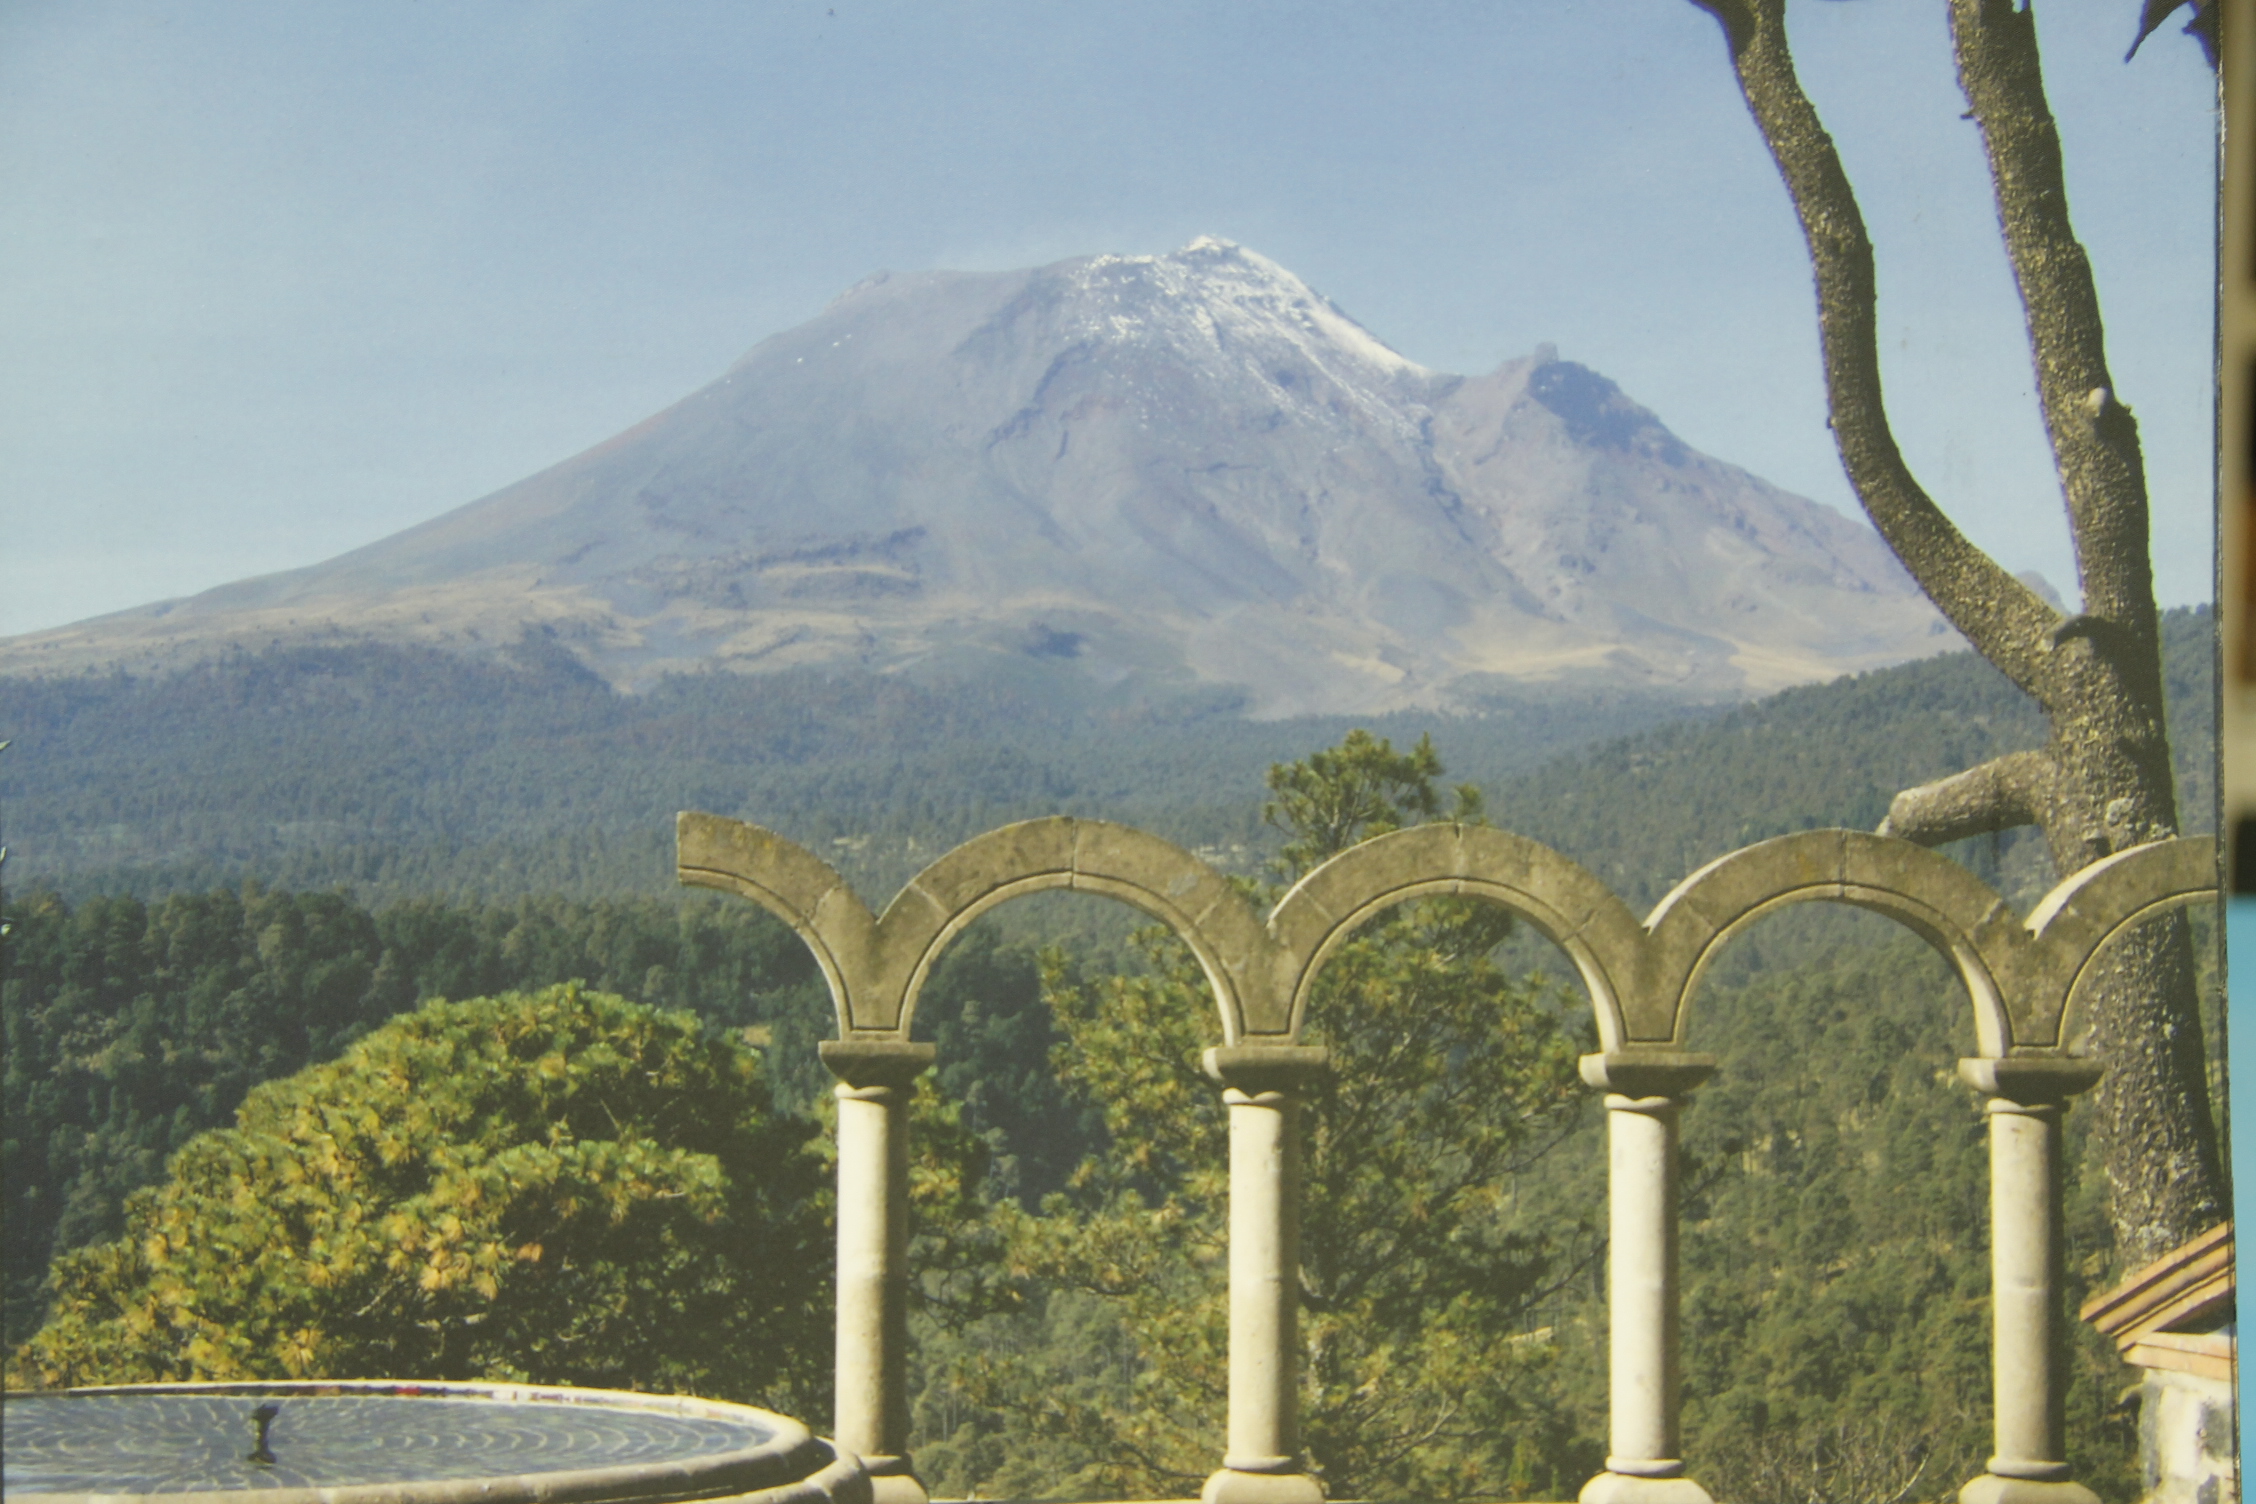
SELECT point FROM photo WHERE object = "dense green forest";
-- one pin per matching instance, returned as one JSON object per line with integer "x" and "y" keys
{"x": 395, "y": 774}
{"x": 550, "y": 1187}
{"x": 132, "y": 1027}
{"x": 1834, "y": 1247}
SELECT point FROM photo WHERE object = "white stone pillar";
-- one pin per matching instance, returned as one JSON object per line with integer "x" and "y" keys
{"x": 1264, "y": 1086}
{"x": 1645, "y": 1092}
{"x": 2027, "y": 1099}
{"x": 875, "y": 1079}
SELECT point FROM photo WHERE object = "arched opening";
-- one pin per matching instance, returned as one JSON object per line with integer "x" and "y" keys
{"x": 1118, "y": 1296}
{"x": 1839, "y": 1142}
{"x": 1881, "y": 1286}
{"x": 1453, "y": 1200}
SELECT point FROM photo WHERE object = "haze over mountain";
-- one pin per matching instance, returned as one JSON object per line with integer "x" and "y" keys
{"x": 1164, "y": 470}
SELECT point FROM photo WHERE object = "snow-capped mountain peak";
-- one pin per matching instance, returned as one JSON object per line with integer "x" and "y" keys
{"x": 1180, "y": 466}
{"x": 1241, "y": 297}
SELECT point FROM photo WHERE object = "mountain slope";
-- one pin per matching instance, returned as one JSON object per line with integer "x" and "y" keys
{"x": 1164, "y": 470}
{"x": 404, "y": 771}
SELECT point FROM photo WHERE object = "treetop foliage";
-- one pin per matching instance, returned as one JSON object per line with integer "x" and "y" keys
{"x": 1362, "y": 788}
{"x": 131, "y": 1027}
{"x": 557, "y": 1187}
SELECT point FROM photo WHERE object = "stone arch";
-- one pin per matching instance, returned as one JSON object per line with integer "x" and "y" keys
{"x": 876, "y": 966}
{"x": 2081, "y": 917}
{"x": 1955, "y": 912}
{"x": 2020, "y": 975}
{"x": 2024, "y": 978}
{"x": 1554, "y": 893}
{"x": 790, "y": 882}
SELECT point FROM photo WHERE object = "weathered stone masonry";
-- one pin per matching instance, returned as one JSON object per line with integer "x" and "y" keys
{"x": 2022, "y": 976}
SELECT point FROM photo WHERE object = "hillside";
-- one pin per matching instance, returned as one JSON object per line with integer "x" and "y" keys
{"x": 1645, "y": 810}
{"x": 400, "y": 771}
{"x": 397, "y": 771}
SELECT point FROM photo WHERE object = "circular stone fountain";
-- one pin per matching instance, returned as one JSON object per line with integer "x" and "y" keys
{"x": 380, "y": 1442}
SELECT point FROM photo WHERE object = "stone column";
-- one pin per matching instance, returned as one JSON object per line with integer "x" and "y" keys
{"x": 875, "y": 1078}
{"x": 1644, "y": 1093}
{"x": 1264, "y": 1085}
{"x": 2027, "y": 1099}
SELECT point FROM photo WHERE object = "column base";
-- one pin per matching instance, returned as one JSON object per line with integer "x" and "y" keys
{"x": 1229, "y": 1486}
{"x": 1625, "y": 1488}
{"x": 845, "y": 1481}
{"x": 1991, "y": 1489}
{"x": 892, "y": 1482}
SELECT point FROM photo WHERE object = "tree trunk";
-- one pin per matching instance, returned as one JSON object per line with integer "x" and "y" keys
{"x": 2103, "y": 780}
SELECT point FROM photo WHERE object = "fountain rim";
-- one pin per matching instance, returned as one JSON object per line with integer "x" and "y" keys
{"x": 790, "y": 1455}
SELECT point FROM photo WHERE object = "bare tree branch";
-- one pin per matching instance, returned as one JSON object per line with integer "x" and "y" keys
{"x": 2095, "y": 442}
{"x": 2000, "y": 794}
{"x": 2104, "y": 779}
{"x": 2004, "y": 619}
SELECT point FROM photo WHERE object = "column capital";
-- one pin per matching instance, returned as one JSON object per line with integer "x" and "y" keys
{"x": 2031, "y": 1080}
{"x": 865, "y": 1063}
{"x": 1257, "y": 1068}
{"x": 1647, "y": 1073}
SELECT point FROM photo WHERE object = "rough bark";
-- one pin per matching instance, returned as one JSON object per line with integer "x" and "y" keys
{"x": 2103, "y": 780}
{"x": 1999, "y": 795}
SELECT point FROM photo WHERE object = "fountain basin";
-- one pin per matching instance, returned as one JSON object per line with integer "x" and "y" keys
{"x": 387, "y": 1442}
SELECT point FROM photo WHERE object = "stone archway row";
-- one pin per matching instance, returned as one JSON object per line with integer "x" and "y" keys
{"x": 2023, "y": 976}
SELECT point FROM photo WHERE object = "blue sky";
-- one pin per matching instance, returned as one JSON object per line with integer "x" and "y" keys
{"x": 277, "y": 279}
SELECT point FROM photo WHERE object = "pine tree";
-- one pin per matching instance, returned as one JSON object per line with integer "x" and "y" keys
{"x": 1418, "y": 1282}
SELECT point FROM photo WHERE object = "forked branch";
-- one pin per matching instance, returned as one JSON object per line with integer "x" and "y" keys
{"x": 2004, "y": 620}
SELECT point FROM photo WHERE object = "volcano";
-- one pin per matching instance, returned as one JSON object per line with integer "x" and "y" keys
{"x": 1183, "y": 469}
